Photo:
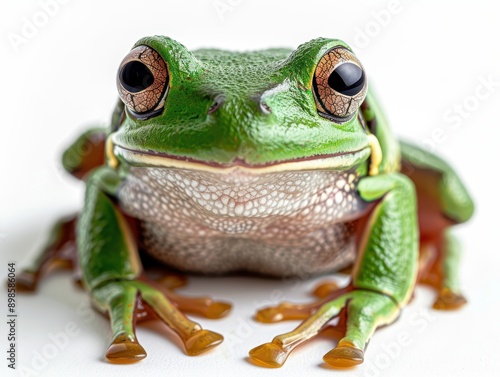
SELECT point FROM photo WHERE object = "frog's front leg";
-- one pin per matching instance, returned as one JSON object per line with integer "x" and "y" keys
{"x": 112, "y": 272}
{"x": 382, "y": 279}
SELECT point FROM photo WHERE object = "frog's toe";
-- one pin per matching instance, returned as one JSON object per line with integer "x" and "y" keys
{"x": 271, "y": 355}
{"x": 344, "y": 356}
{"x": 284, "y": 311}
{"x": 196, "y": 340}
{"x": 218, "y": 309}
{"x": 449, "y": 300}
{"x": 204, "y": 306}
{"x": 26, "y": 281}
{"x": 172, "y": 281}
{"x": 275, "y": 353}
{"x": 125, "y": 350}
{"x": 269, "y": 315}
{"x": 201, "y": 341}
{"x": 325, "y": 289}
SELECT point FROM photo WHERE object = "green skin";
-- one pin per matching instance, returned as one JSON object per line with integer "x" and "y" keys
{"x": 385, "y": 272}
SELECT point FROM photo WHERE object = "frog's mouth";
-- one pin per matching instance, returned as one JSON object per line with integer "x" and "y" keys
{"x": 336, "y": 161}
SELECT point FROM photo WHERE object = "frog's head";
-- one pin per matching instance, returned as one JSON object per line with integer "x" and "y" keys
{"x": 271, "y": 110}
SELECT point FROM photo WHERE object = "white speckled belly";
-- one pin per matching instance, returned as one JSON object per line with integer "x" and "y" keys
{"x": 281, "y": 224}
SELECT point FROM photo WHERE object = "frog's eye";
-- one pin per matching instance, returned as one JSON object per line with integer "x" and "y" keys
{"x": 142, "y": 81}
{"x": 339, "y": 84}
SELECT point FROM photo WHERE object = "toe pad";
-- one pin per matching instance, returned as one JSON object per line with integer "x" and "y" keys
{"x": 201, "y": 341}
{"x": 270, "y": 355}
{"x": 125, "y": 351}
{"x": 344, "y": 357}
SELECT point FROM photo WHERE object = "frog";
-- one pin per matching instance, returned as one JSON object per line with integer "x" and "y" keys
{"x": 275, "y": 162}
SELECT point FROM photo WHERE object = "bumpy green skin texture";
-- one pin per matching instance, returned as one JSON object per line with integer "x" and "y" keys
{"x": 388, "y": 262}
{"x": 103, "y": 252}
{"x": 366, "y": 311}
{"x": 386, "y": 270}
{"x": 239, "y": 129}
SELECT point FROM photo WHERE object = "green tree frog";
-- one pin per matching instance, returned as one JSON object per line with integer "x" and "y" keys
{"x": 273, "y": 162}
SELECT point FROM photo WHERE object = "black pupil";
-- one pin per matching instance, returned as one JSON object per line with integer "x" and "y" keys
{"x": 347, "y": 79}
{"x": 135, "y": 76}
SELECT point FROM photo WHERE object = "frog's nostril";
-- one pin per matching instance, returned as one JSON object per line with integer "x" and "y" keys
{"x": 214, "y": 107}
{"x": 265, "y": 108}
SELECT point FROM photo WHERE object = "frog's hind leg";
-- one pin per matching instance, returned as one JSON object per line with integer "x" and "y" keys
{"x": 439, "y": 269}
{"x": 85, "y": 154}
{"x": 442, "y": 202}
{"x": 58, "y": 253}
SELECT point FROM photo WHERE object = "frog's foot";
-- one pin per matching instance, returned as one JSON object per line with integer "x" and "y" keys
{"x": 365, "y": 311}
{"x": 203, "y": 306}
{"x": 325, "y": 289}
{"x": 28, "y": 279}
{"x": 449, "y": 300}
{"x": 288, "y": 311}
{"x": 125, "y": 349}
{"x": 58, "y": 253}
{"x": 120, "y": 299}
{"x": 438, "y": 268}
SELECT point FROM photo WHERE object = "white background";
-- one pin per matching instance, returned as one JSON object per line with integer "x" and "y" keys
{"x": 423, "y": 60}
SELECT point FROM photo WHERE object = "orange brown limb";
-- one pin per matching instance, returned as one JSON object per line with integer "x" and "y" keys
{"x": 438, "y": 268}
{"x": 58, "y": 253}
{"x": 290, "y": 311}
{"x": 204, "y": 306}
